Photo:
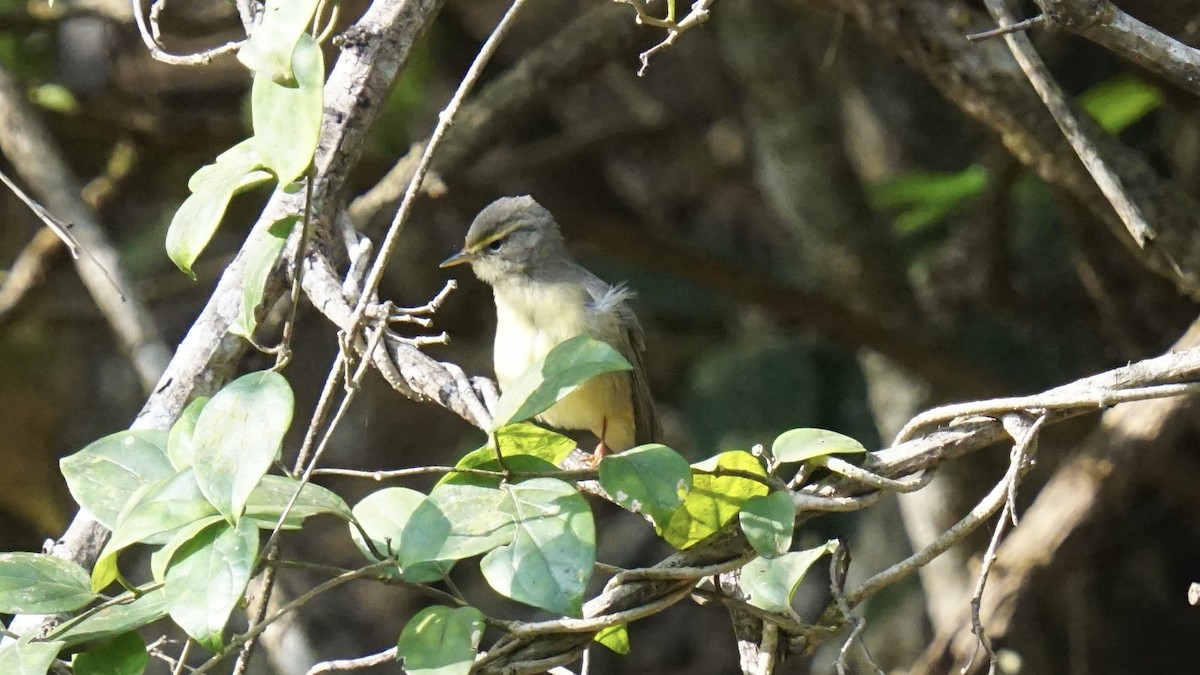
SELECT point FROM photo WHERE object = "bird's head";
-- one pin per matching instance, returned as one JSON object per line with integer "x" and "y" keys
{"x": 512, "y": 238}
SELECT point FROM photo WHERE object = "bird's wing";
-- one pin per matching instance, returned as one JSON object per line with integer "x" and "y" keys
{"x": 629, "y": 342}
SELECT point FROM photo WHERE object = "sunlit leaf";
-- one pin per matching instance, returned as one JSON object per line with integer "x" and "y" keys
{"x": 23, "y": 657}
{"x": 714, "y": 500}
{"x": 161, "y": 559}
{"x": 651, "y": 479}
{"x": 179, "y": 445}
{"x": 34, "y": 583}
{"x": 287, "y": 117}
{"x": 527, "y": 448}
{"x": 799, "y": 445}
{"x": 269, "y": 49}
{"x": 152, "y": 516}
{"x": 209, "y": 578}
{"x": 238, "y": 436}
{"x": 560, "y": 372}
{"x": 550, "y": 560}
{"x": 615, "y": 638}
{"x": 456, "y": 522}
{"x": 383, "y": 515}
{"x": 271, "y": 497}
{"x": 105, "y": 474}
{"x": 441, "y": 641}
{"x": 1121, "y": 101}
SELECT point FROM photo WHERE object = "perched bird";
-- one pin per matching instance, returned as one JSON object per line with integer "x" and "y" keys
{"x": 543, "y": 298}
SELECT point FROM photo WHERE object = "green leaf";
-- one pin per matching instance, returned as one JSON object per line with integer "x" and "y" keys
{"x": 770, "y": 584}
{"x": 272, "y": 495}
{"x": 262, "y": 252}
{"x": 927, "y": 197}
{"x": 123, "y": 655}
{"x": 209, "y": 578}
{"x": 161, "y": 559}
{"x": 441, "y": 641}
{"x": 179, "y": 446}
{"x": 799, "y": 445}
{"x": 515, "y": 440}
{"x": 287, "y": 117}
{"x": 552, "y": 378}
{"x": 34, "y": 583}
{"x": 152, "y": 516}
{"x": 456, "y": 522}
{"x": 651, "y": 479}
{"x": 105, "y": 474}
{"x": 269, "y": 49}
{"x": 527, "y": 448}
{"x": 1119, "y": 102}
{"x": 550, "y": 560}
{"x": 23, "y": 657}
{"x": 212, "y": 187}
{"x": 383, "y": 515}
{"x": 768, "y": 523}
{"x": 615, "y": 638}
{"x": 238, "y": 437}
{"x": 713, "y": 500}
{"x": 114, "y": 619}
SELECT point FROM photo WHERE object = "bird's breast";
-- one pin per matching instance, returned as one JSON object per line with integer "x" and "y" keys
{"x": 530, "y": 320}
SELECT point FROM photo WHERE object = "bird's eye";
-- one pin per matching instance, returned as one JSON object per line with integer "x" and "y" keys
{"x": 495, "y": 246}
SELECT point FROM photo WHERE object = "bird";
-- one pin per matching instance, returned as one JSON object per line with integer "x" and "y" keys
{"x": 543, "y": 298}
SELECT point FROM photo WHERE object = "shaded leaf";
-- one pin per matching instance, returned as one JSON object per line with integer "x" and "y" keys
{"x": 105, "y": 474}
{"x": 209, "y": 578}
{"x": 123, "y": 655}
{"x": 768, "y": 523}
{"x": 35, "y": 583}
{"x": 212, "y": 187}
{"x": 261, "y": 254}
{"x": 713, "y": 500}
{"x": 238, "y": 436}
{"x": 161, "y": 559}
{"x": 552, "y": 378}
{"x": 550, "y": 560}
{"x": 441, "y": 641}
{"x": 652, "y": 479}
{"x": 114, "y": 619}
{"x": 769, "y": 584}
{"x": 799, "y": 445}
{"x": 268, "y": 500}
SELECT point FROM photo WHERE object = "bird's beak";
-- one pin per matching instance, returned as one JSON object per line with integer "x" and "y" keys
{"x": 463, "y": 256}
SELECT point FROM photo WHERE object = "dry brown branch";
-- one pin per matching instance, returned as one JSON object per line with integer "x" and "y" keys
{"x": 983, "y": 80}
{"x": 1107, "y": 25}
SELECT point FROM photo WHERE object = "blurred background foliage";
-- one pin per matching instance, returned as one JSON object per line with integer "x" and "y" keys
{"x": 816, "y": 237}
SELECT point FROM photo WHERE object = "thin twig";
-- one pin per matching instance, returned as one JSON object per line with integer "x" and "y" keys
{"x": 385, "y": 656}
{"x": 161, "y": 54}
{"x": 1052, "y": 95}
{"x": 1025, "y": 24}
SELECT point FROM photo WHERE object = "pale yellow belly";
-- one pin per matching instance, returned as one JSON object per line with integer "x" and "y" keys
{"x": 601, "y": 405}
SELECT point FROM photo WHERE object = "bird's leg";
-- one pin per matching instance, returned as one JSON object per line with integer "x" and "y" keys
{"x": 601, "y": 450}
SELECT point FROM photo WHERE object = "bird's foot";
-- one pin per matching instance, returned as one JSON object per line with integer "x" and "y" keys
{"x": 598, "y": 454}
